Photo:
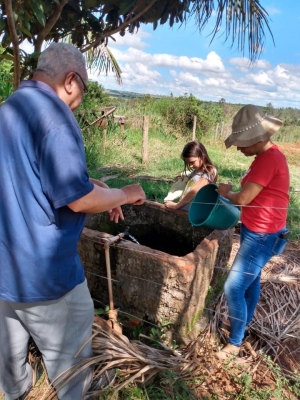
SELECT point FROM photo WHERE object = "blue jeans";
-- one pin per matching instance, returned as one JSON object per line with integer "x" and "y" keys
{"x": 242, "y": 287}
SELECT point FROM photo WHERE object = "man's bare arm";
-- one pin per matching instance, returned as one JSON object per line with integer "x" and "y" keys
{"x": 102, "y": 199}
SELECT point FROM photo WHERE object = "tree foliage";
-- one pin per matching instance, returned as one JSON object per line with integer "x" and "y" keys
{"x": 6, "y": 84}
{"x": 91, "y": 23}
{"x": 95, "y": 98}
{"x": 179, "y": 114}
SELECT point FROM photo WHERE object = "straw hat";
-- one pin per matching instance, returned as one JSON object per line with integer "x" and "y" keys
{"x": 251, "y": 126}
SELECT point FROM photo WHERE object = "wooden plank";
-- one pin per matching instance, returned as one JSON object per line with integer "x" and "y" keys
{"x": 109, "y": 110}
{"x": 145, "y": 140}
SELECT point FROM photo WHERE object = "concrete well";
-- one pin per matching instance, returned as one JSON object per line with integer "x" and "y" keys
{"x": 165, "y": 278}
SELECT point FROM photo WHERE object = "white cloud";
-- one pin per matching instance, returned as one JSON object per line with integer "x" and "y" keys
{"x": 262, "y": 78}
{"x": 281, "y": 72}
{"x": 186, "y": 78}
{"x": 140, "y": 72}
{"x": 130, "y": 40}
{"x": 244, "y": 63}
{"x": 212, "y": 64}
{"x": 29, "y": 48}
{"x": 208, "y": 78}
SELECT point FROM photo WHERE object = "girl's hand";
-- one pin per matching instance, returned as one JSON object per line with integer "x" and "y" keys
{"x": 171, "y": 204}
{"x": 181, "y": 177}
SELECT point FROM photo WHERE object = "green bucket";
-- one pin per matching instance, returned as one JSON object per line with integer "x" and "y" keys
{"x": 210, "y": 209}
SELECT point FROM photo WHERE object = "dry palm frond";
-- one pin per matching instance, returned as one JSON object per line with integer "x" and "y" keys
{"x": 139, "y": 363}
{"x": 276, "y": 323}
{"x": 101, "y": 59}
{"x": 135, "y": 360}
{"x": 276, "y": 329}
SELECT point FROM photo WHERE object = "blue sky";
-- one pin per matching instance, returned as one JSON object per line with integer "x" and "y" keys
{"x": 180, "y": 60}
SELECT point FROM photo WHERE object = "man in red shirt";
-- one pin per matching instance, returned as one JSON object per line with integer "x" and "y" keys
{"x": 264, "y": 199}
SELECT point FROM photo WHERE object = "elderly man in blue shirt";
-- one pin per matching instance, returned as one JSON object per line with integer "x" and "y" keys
{"x": 45, "y": 196}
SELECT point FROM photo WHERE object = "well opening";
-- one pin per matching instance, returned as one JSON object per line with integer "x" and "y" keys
{"x": 167, "y": 276}
{"x": 166, "y": 239}
{"x": 154, "y": 226}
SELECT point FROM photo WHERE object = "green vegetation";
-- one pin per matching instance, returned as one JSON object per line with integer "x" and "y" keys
{"x": 213, "y": 292}
{"x": 236, "y": 384}
{"x": 6, "y": 85}
{"x": 122, "y": 156}
{"x": 166, "y": 386}
{"x": 170, "y": 128}
{"x": 90, "y": 24}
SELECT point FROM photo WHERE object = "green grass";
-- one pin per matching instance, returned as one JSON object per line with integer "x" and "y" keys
{"x": 124, "y": 157}
{"x": 166, "y": 386}
{"x": 241, "y": 385}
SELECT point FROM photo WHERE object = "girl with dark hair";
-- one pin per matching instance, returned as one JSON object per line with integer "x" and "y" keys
{"x": 198, "y": 172}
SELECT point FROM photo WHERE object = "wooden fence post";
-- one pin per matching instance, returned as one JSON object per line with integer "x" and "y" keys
{"x": 104, "y": 140}
{"x": 145, "y": 139}
{"x": 194, "y": 127}
{"x": 216, "y": 133}
{"x": 122, "y": 131}
{"x": 121, "y": 119}
{"x": 222, "y": 129}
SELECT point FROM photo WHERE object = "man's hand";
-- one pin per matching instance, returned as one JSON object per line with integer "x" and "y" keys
{"x": 102, "y": 199}
{"x": 135, "y": 194}
{"x": 115, "y": 214}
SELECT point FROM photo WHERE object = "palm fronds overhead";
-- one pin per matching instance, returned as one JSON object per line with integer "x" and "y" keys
{"x": 245, "y": 22}
{"x": 101, "y": 59}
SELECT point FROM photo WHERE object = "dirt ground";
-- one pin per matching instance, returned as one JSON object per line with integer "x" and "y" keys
{"x": 292, "y": 250}
{"x": 291, "y": 151}
{"x": 290, "y": 257}
{"x": 221, "y": 380}
{"x": 214, "y": 380}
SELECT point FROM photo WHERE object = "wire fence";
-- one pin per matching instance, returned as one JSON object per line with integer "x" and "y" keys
{"x": 150, "y": 253}
{"x": 247, "y": 206}
{"x": 119, "y": 246}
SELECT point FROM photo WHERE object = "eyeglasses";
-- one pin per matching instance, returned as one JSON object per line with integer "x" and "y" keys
{"x": 85, "y": 88}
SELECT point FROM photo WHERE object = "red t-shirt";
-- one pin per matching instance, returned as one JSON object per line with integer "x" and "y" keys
{"x": 269, "y": 208}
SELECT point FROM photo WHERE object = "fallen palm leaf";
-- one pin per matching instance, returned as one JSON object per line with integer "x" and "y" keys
{"x": 276, "y": 323}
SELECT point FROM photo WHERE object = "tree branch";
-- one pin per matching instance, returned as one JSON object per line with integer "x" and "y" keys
{"x": 49, "y": 25}
{"x": 15, "y": 41}
{"x": 118, "y": 29}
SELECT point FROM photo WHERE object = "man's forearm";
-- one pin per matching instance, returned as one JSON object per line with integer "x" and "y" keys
{"x": 100, "y": 199}
{"x": 98, "y": 183}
